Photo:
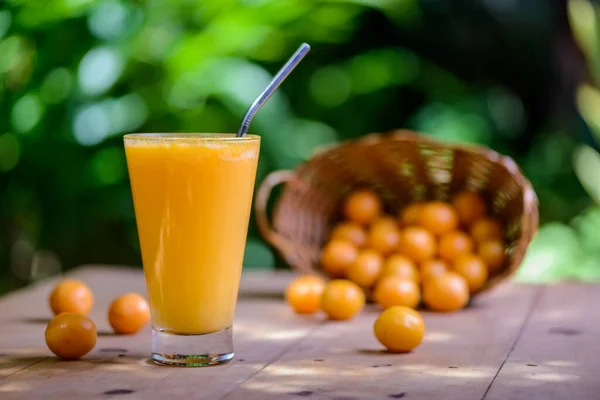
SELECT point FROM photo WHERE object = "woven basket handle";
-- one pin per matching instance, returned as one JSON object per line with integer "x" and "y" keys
{"x": 283, "y": 245}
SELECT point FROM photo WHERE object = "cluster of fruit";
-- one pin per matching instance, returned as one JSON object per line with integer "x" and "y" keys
{"x": 435, "y": 252}
{"x": 71, "y": 334}
{"x": 447, "y": 250}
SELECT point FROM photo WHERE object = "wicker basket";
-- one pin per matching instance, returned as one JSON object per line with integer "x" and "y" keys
{"x": 400, "y": 166}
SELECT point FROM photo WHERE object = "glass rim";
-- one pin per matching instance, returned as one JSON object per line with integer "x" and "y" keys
{"x": 205, "y": 137}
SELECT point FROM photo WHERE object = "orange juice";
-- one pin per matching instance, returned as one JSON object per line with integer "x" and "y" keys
{"x": 192, "y": 196}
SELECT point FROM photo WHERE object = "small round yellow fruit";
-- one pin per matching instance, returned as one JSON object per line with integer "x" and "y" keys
{"x": 71, "y": 296}
{"x": 337, "y": 256}
{"x": 399, "y": 265}
{"x": 384, "y": 236}
{"x": 399, "y": 329}
{"x": 342, "y": 299}
{"x": 362, "y": 206}
{"x": 434, "y": 267}
{"x": 473, "y": 269}
{"x": 446, "y": 293}
{"x": 397, "y": 291}
{"x": 70, "y": 336}
{"x": 128, "y": 313}
{"x": 351, "y": 232}
{"x": 366, "y": 268}
{"x": 304, "y": 293}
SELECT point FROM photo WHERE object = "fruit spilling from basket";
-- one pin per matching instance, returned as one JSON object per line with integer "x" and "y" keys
{"x": 349, "y": 212}
{"x": 432, "y": 252}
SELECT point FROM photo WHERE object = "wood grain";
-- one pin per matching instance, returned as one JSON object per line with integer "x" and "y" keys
{"x": 514, "y": 342}
{"x": 118, "y": 365}
{"x": 458, "y": 359}
{"x": 558, "y": 354}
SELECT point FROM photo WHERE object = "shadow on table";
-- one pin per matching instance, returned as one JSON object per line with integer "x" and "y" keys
{"x": 108, "y": 333}
{"x": 35, "y": 320}
{"x": 248, "y": 295}
{"x": 376, "y": 352}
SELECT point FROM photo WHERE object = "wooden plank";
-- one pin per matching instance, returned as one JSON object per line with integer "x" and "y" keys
{"x": 264, "y": 330}
{"x": 22, "y": 313}
{"x": 516, "y": 342}
{"x": 558, "y": 354}
{"x": 458, "y": 359}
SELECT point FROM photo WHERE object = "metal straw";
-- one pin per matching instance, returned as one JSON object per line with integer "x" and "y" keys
{"x": 270, "y": 89}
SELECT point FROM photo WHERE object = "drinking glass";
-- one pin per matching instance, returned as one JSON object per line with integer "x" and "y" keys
{"x": 192, "y": 195}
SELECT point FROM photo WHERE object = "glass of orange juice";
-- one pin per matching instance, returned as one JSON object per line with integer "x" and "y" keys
{"x": 192, "y": 195}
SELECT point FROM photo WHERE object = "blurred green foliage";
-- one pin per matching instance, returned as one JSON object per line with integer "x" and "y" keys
{"x": 76, "y": 75}
{"x": 572, "y": 250}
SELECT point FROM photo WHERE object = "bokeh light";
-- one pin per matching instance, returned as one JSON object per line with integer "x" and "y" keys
{"x": 27, "y": 113}
{"x": 13, "y": 49}
{"x": 77, "y": 75}
{"x": 95, "y": 122}
{"x": 5, "y": 20}
{"x": 108, "y": 20}
{"x": 91, "y": 124}
{"x": 99, "y": 70}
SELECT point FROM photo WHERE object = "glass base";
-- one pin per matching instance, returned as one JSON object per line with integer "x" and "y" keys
{"x": 189, "y": 350}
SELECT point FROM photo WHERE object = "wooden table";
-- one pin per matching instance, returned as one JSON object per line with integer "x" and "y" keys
{"x": 518, "y": 342}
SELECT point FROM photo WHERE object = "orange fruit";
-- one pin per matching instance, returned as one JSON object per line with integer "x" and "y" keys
{"x": 454, "y": 244}
{"x": 304, "y": 293}
{"x": 446, "y": 293}
{"x": 399, "y": 329}
{"x": 366, "y": 268}
{"x": 410, "y": 214}
{"x": 438, "y": 217}
{"x": 350, "y": 232}
{"x": 397, "y": 291}
{"x": 336, "y": 257}
{"x": 434, "y": 267}
{"x": 485, "y": 229}
{"x": 128, "y": 313}
{"x": 342, "y": 299}
{"x": 363, "y": 207}
{"x": 492, "y": 253}
{"x": 418, "y": 244}
{"x": 469, "y": 206}
{"x": 473, "y": 269}
{"x": 71, "y": 296}
{"x": 384, "y": 236}
{"x": 399, "y": 265}
{"x": 70, "y": 336}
